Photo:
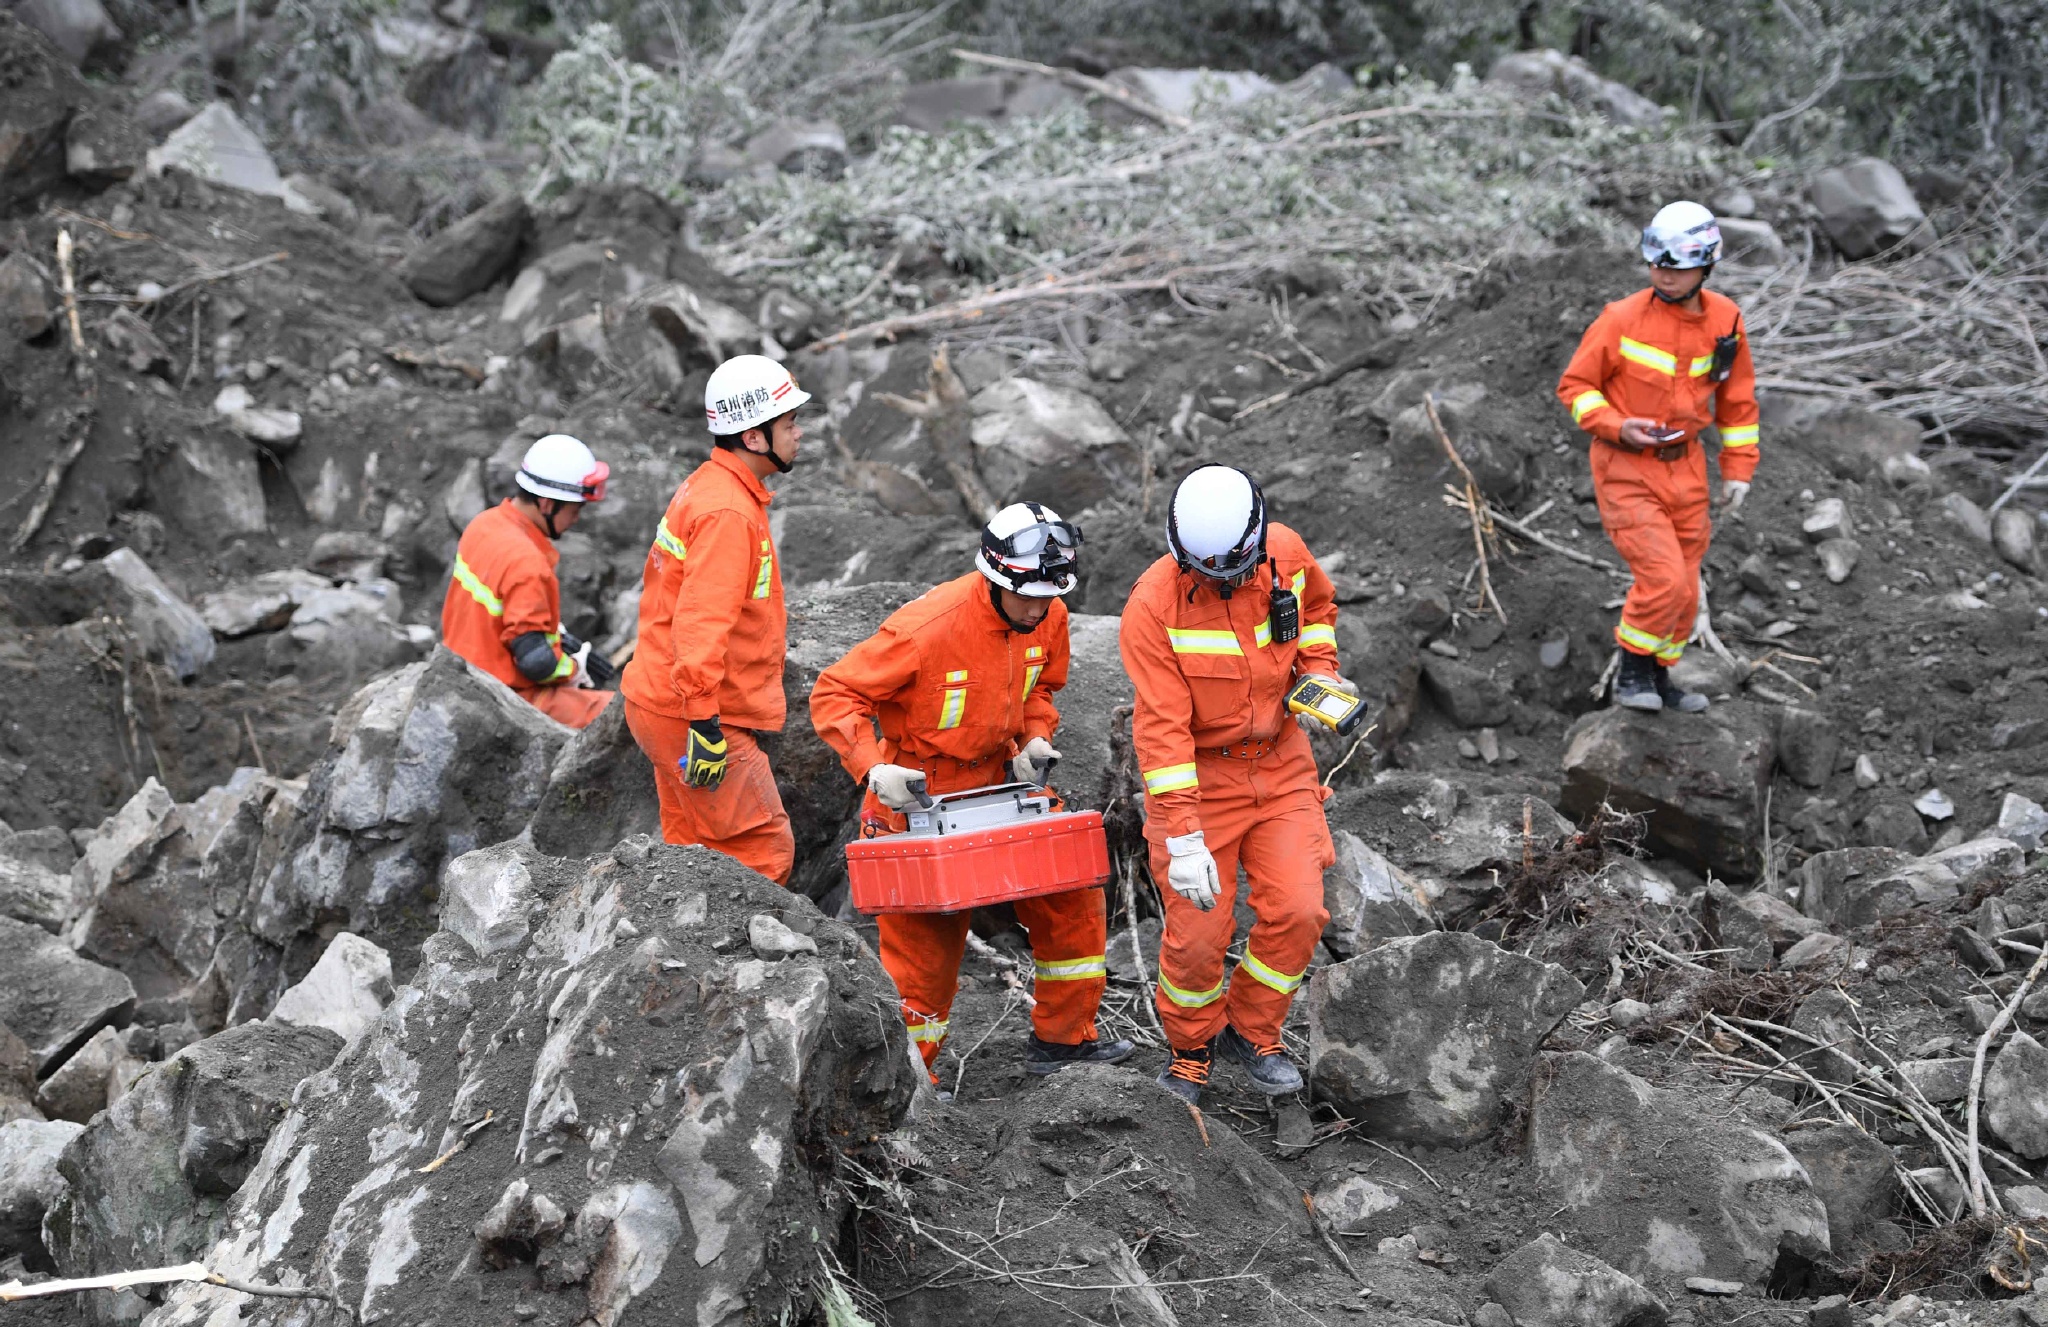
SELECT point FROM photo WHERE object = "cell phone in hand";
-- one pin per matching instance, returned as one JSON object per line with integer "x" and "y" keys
{"x": 1667, "y": 434}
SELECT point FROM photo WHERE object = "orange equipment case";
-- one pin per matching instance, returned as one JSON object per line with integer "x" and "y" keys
{"x": 968, "y": 850}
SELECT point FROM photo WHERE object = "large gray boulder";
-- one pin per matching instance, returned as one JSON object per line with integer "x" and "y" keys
{"x": 1448, "y": 839}
{"x": 1543, "y": 72}
{"x": 1700, "y": 782}
{"x": 215, "y": 145}
{"x": 1427, "y": 1038}
{"x": 149, "y": 1179}
{"x": 170, "y": 630}
{"x": 1546, "y": 1283}
{"x": 424, "y": 764}
{"x": 35, "y": 877}
{"x": 79, "y": 28}
{"x": 29, "y": 1183}
{"x": 669, "y": 1116}
{"x": 469, "y": 255}
{"x": 51, "y": 998}
{"x": 1853, "y": 887}
{"x": 1856, "y": 1177}
{"x": 1370, "y": 900}
{"x": 1867, "y": 207}
{"x": 1051, "y": 444}
{"x": 1663, "y": 1185}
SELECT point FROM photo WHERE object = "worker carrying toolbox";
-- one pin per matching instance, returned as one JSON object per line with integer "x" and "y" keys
{"x": 960, "y": 683}
{"x": 503, "y": 610}
{"x": 1231, "y": 643}
{"x": 1651, "y": 372}
{"x": 707, "y": 673}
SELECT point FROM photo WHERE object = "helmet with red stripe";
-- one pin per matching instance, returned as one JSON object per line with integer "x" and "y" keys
{"x": 562, "y": 468}
{"x": 747, "y": 392}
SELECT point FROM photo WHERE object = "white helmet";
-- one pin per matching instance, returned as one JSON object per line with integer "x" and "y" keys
{"x": 1682, "y": 235}
{"x": 561, "y": 467}
{"x": 747, "y": 391}
{"x": 1217, "y": 524}
{"x": 1027, "y": 549}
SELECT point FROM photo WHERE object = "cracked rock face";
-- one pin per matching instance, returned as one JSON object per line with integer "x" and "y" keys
{"x": 667, "y": 1114}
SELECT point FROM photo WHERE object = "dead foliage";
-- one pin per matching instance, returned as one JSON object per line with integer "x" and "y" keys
{"x": 1769, "y": 996}
{"x": 1977, "y": 1256}
{"x": 1544, "y": 891}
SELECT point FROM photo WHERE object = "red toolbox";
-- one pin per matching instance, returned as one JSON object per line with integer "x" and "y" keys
{"x": 966, "y": 850}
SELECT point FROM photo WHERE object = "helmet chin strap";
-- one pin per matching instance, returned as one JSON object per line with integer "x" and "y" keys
{"x": 1698, "y": 286}
{"x": 768, "y": 436}
{"x": 547, "y": 517}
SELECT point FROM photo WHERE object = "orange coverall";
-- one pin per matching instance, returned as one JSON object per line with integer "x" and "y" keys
{"x": 712, "y": 628}
{"x": 1220, "y": 753}
{"x": 503, "y": 587}
{"x": 957, "y": 693}
{"x": 1643, "y": 358}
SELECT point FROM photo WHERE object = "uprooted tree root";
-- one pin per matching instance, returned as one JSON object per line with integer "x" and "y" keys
{"x": 1539, "y": 893}
{"x": 1977, "y": 1256}
{"x": 1769, "y": 996}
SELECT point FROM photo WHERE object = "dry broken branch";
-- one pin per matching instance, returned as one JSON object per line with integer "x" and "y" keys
{"x": 87, "y": 412}
{"x": 1081, "y": 82}
{"x": 1983, "y": 1199}
{"x": 943, "y": 409}
{"x": 1475, "y": 505}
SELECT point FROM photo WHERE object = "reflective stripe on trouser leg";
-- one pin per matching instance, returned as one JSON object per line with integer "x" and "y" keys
{"x": 1284, "y": 852}
{"x": 1192, "y": 979}
{"x": 921, "y": 953}
{"x": 1069, "y": 935}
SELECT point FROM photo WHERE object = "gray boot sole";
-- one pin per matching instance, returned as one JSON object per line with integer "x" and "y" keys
{"x": 1648, "y": 704}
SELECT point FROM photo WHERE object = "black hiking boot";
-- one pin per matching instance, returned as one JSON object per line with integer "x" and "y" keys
{"x": 1635, "y": 686}
{"x": 1187, "y": 1073}
{"x": 1676, "y": 697}
{"x": 1269, "y": 1067}
{"x": 1049, "y": 1057}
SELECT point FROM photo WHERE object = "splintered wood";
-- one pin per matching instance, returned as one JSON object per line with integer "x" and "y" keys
{"x": 1475, "y": 507}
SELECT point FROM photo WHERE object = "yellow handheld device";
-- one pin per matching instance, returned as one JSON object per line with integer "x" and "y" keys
{"x": 1325, "y": 704}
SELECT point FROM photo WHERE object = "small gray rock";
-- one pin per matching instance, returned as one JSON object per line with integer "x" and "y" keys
{"x": 772, "y": 940}
{"x": 1349, "y": 1204}
{"x": 1838, "y": 558}
{"x": 1546, "y": 1283}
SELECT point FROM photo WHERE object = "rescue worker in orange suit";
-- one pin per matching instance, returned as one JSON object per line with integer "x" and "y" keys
{"x": 503, "y": 610}
{"x": 961, "y": 684}
{"x": 1651, "y": 372}
{"x": 1214, "y": 636}
{"x": 707, "y": 673}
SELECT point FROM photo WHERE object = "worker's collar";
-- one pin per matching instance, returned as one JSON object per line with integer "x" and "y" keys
{"x": 1657, "y": 301}
{"x": 525, "y": 524}
{"x": 985, "y": 614}
{"x": 730, "y": 461}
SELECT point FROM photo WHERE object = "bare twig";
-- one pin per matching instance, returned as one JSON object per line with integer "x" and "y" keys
{"x": 1081, "y": 82}
{"x": 1983, "y": 1198}
{"x": 1379, "y": 355}
{"x": 468, "y": 1133}
{"x": 944, "y": 409}
{"x": 2018, "y": 484}
{"x": 1475, "y": 505}
{"x": 87, "y": 377}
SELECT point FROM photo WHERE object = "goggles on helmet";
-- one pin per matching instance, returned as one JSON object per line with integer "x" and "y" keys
{"x": 1042, "y": 551}
{"x": 589, "y": 489}
{"x": 1688, "y": 252}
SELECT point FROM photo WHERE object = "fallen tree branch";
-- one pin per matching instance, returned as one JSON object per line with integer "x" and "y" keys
{"x": 1381, "y": 354}
{"x": 191, "y": 1273}
{"x": 1081, "y": 82}
{"x": 1983, "y": 1199}
{"x": 2018, "y": 484}
{"x": 88, "y": 381}
{"x": 945, "y": 410}
{"x": 1475, "y": 505}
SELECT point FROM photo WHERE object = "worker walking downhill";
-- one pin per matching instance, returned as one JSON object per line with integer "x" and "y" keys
{"x": 503, "y": 610}
{"x": 707, "y": 673}
{"x": 961, "y": 683}
{"x": 1214, "y": 636}
{"x": 1651, "y": 372}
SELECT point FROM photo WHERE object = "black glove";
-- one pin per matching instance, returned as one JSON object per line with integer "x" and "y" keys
{"x": 703, "y": 762}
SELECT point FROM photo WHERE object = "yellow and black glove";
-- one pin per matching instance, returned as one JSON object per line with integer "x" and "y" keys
{"x": 703, "y": 762}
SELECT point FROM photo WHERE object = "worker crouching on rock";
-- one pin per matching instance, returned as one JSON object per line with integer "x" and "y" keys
{"x": 503, "y": 610}
{"x": 1215, "y": 635}
{"x": 960, "y": 683}
{"x": 1651, "y": 372}
{"x": 707, "y": 673}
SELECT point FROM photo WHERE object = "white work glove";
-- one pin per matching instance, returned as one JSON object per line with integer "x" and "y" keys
{"x": 891, "y": 784}
{"x": 581, "y": 677}
{"x": 1191, "y": 870}
{"x": 1022, "y": 766}
{"x": 1336, "y": 682}
{"x": 1733, "y": 491}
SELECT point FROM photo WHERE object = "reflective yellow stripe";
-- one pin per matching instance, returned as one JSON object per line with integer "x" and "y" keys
{"x": 1739, "y": 435}
{"x": 767, "y": 568}
{"x": 1279, "y": 981}
{"x": 1262, "y": 634}
{"x": 1203, "y": 642}
{"x": 1190, "y": 999}
{"x": 1672, "y": 652}
{"x": 934, "y": 1030}
{"x": 1641, "y": 641}
{"x": 478, "y": 591}
{"x": 957, "y": 675}
{"x": 564, "y": 667}
{"x": 1171, "y": 779}
{"x": 1700, "y": 366}
{"x": 1031, "y": 672}
{"x": 1585, "y": 403}
{"x": 665, "y": 540}
{"x": 1300, "y": 583}
{"x": 1649, "y": 356}
{"x": 1072, "y": 969}
{"x": 954, "y": 707}
{"x": 1319, "y": 633}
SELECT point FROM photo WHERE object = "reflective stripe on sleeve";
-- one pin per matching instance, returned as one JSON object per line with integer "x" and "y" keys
{"x": 1319, "y": 633}
{"x": 766, "y": 569}
{"x": 478, "y": 591}
{"x": 1187, "y": 641}
{"x": 1171, "y": 779}
{"x": 1585, "y": 403}
{"x": 1635, "y": 352}
{"x": 665, "y": 540}
{"x": 1739, "y": 435}
{"x": 1187, "y": 999}
{"x": 1071, "y": 969}
{"x": 1031, "y": 672}
{"x": 1282, "y": 982}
